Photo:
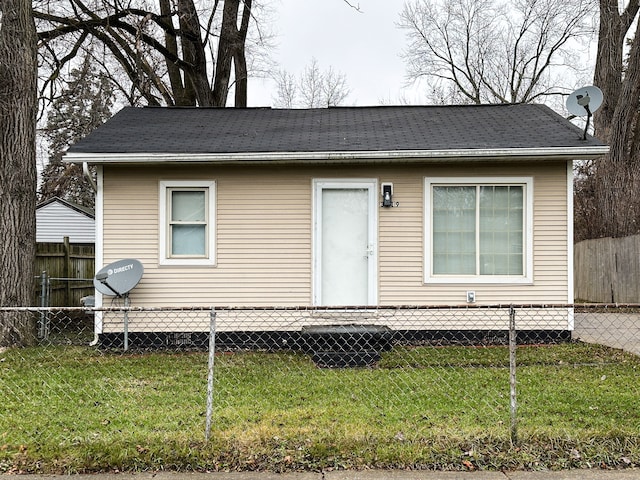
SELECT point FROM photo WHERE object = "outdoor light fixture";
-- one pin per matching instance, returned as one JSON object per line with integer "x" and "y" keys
{"x": 387, "y": 194}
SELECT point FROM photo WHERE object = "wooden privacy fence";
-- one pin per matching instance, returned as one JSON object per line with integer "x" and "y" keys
{"x": 65, "y": 273}
{"x": 607, "y": 270}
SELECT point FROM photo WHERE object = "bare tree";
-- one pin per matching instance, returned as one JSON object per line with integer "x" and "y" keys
{"x": 614, "y": 29}
{"x": 335, "y": 89}
{"x": 314, "y": 88}
{"x": 311, "y": 86}
{"x": 287, "y": 89}
{"x": 616, "y": 177}
{"x": 18, "y": 105}
{"x": 175, "y": 53}
{"x": 494, "y": 52}
{"x": 84, "y": 104}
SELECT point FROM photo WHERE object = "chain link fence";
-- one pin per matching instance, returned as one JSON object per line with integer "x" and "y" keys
{"x": 93, "y": 377}
{"x": 57, "y": 291}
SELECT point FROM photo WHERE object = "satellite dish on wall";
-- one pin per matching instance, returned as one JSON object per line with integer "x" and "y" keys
{"x": 583, "y": 102}
{"x": 118, "y": 278}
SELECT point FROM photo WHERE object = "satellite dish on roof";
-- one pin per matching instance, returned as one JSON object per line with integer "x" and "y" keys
{"x": 118, "y": 278}
{"x": 583, "y": 102}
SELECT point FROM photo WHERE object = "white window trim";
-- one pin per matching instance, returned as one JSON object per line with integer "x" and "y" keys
{"x": 527, "y": 277}
{"x": 166, "y": 186}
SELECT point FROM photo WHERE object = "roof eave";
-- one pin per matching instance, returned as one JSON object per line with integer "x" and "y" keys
{"x": 396, "y": 156}
{"x": 72, "y": 206}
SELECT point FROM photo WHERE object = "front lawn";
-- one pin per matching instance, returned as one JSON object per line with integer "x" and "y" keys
{"x": 76, "y": 409}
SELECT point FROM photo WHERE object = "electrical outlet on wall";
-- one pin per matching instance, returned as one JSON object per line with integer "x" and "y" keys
{"x": 471, "y": 296}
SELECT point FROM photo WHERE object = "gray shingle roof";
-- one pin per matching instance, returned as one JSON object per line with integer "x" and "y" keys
{"x": 341, "y": 129}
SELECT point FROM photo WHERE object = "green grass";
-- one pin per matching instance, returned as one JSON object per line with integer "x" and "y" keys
{"x": 74, "y": 409}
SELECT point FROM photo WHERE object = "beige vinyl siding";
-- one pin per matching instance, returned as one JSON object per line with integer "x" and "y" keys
{"x": 550, "y": 238}
{"x": 264, "y": 230}
{"x": 402, "y": 248}
{"x": 496, "y": 319}
{"x": 263, "y": 247}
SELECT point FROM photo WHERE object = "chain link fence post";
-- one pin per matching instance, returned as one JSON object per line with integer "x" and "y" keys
{"x": 126, "y": 322}
{"x": 43, "y": 332}
{"x": 513, "y": 404}
{"x": 210, "y": 377}
{"x": 399, "y": 376}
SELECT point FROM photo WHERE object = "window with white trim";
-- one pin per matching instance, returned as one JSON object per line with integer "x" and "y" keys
{"x": 187, "y": 222}
{"x": 478, "y": 230}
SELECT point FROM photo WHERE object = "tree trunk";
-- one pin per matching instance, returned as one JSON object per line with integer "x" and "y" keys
{"x": 171, "y": 42}
{"x": 231, "y": 50}
{"x": 615, "y": 209}
{"x": 608, "y": 75}
{"x": 619, "y": 175}
{"x": 240, "y": 58}
{"x": 226, "y": 49}
{"x": 18, "y": 73}
{"x": 608, "y": 71}
{"x": 193, "y": 50}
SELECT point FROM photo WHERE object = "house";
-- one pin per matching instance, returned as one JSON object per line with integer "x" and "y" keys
{"x": 57, "y": 218}
{"x": 347, "y": 206}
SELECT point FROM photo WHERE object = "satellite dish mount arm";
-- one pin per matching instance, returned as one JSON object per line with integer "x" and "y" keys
{"x": 586, "y": 127}
{"x": 102, "y": 278}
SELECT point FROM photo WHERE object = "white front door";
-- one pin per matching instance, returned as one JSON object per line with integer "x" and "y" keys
{"x": 345, "y": 243}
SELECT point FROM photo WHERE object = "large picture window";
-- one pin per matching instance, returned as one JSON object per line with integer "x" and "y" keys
{"x": 478, "y": 231}
{"x": 187, "y": 222}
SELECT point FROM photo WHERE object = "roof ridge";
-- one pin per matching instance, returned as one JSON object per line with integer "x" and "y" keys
{"x": 72, "y": 205}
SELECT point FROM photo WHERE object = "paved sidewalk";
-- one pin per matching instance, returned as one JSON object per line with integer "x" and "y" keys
{"x": 616, "y": 330}
{"x": 630, "y": 474}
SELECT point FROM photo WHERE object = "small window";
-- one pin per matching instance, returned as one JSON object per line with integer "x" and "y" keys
{"x": 187, "y": 223}
{"x": 479, "y": 232}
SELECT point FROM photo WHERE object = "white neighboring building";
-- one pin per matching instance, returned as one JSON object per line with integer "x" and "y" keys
{"x": 57, "y": 218}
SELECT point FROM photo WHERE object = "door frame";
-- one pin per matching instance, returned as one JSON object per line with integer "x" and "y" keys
{"x": 320, "y": 184}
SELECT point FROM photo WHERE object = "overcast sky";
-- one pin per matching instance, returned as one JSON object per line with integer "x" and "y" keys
{"x": 364, "y": 46}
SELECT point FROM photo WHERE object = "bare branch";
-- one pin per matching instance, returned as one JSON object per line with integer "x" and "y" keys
{"x": 355, "y": 7}
{"x": 172, "y": 49}
{"x": 490, "y": 51}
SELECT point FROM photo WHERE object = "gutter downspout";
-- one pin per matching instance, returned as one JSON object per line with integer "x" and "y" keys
{"x": 87, "y": 173}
